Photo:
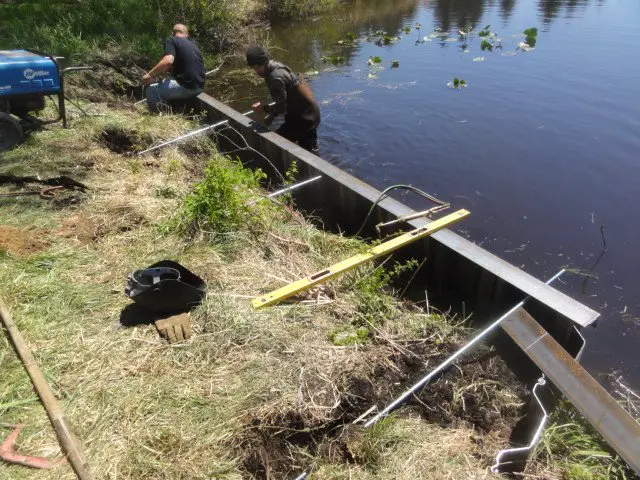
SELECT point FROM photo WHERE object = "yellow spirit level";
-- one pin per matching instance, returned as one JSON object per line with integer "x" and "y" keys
{"x": 352, "y": 262}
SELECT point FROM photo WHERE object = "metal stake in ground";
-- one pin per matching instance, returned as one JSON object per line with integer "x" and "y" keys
{"x": 282, "y": 191}
{"x": 422, "y": 382}
{"x": 190, "y": 134}
{"x": 70, "y": 444}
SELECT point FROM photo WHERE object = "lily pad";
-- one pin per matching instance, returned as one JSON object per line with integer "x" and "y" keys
{"x": 457, "y": 83}
{"x": 334, "y": 59}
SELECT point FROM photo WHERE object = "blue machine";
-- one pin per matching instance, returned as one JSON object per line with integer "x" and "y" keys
{"x": 26, "y": 78}
{"x": 23, "y": 72}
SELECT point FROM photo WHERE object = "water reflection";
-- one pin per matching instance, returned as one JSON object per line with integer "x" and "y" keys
{"x": 506, "y": 8}
{"x": 550, "y": 9}
{"x": 460, "y": 14}
{"x": 467, "y": 13}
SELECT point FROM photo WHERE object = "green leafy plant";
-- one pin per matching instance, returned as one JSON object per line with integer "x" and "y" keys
{"x": 407, "y": 29}
{"x": 350, "y": 335}
{"x": 457, "y": 83}
{"x": 387, "y": 40}
{"x": 218, "y": 203}
{"x": 485, "y": 32}
{"x": 395, "y": 63}
{"x": 373, "y": 304}
{"x": 334, "y": 59}
{"x": 374, "y": 60}
{"x": 531, "y": 34}
{"x": 485, "y": 45}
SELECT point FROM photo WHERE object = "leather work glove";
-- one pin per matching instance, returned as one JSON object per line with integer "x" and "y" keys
{"x": 175, "y": 329}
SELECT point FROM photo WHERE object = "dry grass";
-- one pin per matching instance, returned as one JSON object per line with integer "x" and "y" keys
{"x": 257, "y": 392}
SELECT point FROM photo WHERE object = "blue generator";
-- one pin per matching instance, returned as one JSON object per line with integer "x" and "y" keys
{"x": 26, "y": 78}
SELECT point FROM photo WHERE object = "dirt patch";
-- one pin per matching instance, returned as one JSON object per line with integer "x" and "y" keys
{"x": 480, "y": 392}
{"x": 21, "y": 242}
{"x": 80, "y": 228}
{"x": 122, "y": 141}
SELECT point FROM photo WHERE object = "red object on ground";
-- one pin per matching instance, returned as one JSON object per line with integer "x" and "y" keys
{"x": 9, "y": 455}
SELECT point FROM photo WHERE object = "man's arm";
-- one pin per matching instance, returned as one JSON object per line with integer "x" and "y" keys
{"x": 165, "y": 63}
{"x": 163, "y": 66}
{"x": 279, "y": 95}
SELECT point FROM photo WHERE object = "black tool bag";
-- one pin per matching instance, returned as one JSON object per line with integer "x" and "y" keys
{"x": 165, "y": 287}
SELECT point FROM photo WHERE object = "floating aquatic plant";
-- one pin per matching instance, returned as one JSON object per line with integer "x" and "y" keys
{"x": 531, "y": 34}
{"x": 334, "y": 59}
{"x": 395, "y": 63}
{"x": 486, "y": 45}
{"x": 457, "y": 83}
{"x": 485, "y": 32}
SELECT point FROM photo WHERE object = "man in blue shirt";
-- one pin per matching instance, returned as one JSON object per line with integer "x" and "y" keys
{"x": 183, "y": 57}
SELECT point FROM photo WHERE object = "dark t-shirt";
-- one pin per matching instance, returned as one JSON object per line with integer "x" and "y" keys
{"x": 188, "y": 66}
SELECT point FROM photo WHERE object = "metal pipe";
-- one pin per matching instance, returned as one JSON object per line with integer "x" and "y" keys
{"x": 182, "y": 137}
{"x": 211, "y": 72}
{"x": 190, "y": 134}
{"x": 536, "y": 436}
{"x": 293, "y": 187}
{"x": 422, "y": 382}
{"x": 285, "y": 190}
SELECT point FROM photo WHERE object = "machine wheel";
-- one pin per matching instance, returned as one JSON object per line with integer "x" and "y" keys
{"x": 11, "y": 133}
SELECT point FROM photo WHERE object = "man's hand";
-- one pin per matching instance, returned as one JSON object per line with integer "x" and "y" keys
{"x": 258, "y": 108}
{"x": 146, "y": 79}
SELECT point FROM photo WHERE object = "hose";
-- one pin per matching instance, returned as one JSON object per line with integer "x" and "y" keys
{"x": 385, "y": 194}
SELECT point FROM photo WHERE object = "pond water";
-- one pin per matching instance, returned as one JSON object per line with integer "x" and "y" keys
{"x": 542, "y": 145}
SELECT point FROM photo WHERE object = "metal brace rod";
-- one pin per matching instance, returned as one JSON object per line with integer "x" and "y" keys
{"x": 190, "y": 134}
{"x": 536, "y": 436}
{"x": 285, "y": 190}
{"x": 422, "y": 382}
{"x": 526, "y": 451}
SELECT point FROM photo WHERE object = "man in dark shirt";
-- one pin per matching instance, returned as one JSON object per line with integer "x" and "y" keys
{"x": 184, "y": 57}
{"x": 292, "y": 96}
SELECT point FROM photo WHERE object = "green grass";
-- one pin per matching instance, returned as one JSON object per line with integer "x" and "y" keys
{"x": 133, "y": 29}
{"x": 142, "y": 408}
{"x": 572, "y": 447}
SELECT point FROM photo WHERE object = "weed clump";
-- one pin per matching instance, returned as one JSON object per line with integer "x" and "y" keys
{"x": 220, "y": 203}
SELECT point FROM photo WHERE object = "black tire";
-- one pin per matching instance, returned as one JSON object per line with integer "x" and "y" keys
{"x": 11, "y": 133}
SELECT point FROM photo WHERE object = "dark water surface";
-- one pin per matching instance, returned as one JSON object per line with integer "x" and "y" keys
{"x": 543, "y": 146}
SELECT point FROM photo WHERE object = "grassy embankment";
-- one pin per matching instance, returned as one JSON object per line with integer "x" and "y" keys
{"x": 253, "y": 392}
{"x": 134, "y": 29}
